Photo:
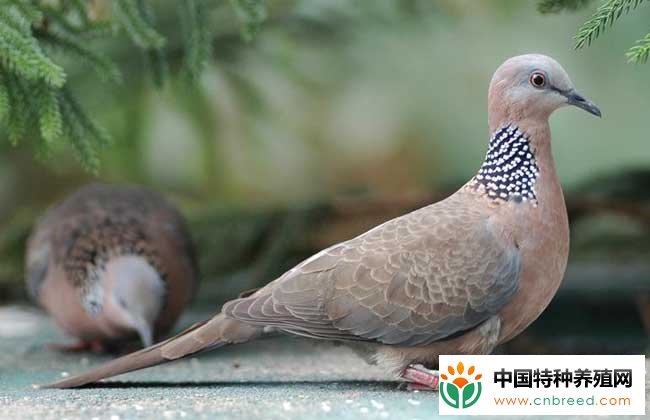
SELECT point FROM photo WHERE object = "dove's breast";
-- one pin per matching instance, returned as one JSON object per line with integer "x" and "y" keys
{"x": 542, "y": 234}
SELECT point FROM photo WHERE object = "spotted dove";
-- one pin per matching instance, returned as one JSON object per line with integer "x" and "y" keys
{"x": 456, "y": 277}
{"x": 110, "y": 263}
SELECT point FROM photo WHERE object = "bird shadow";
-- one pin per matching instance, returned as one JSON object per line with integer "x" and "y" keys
{"x": 345, "y": 384}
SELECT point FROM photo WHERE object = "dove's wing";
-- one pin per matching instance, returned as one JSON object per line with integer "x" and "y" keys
{"x": 416, "y": 279}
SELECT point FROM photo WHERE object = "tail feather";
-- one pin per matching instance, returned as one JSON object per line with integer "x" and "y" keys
{"x": 128, "y": 363}
{"x": 204, "y": 335}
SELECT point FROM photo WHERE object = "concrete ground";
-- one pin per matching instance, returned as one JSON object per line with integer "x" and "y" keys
{"x": 278, "y": 378}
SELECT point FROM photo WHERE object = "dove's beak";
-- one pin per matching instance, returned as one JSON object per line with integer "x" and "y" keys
{"x": 575, "y": 99}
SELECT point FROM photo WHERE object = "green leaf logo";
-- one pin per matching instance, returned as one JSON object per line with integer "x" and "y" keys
{"x": 456, "y": 390}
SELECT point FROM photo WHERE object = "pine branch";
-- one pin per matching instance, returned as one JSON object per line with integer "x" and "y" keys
{"x": 251, "y": 13}
{"x": 605, "y": 15}
{"x": 106, "y": 69}
{"x": 90, "y": 29}
{"x": 17, "y": 122}
{"x": 4, "y": 98}
{"x": 641, "y": 51}
{"x": 84, "y": 135}
{"x": 81, "y": 147}
{"x": 28, "y": 10}
{"x": 131, "y": 18}
{"x": 23, "y": 55}
{"x": 557, "y": 6}
{"x": 79, "y": 6}
{"x": 96, "y": 132}
{"x": 156, "y": 58}
{"x": 15, "y": 19}
{"x": 50, "y": 120}
{"x": 157, "y": 64}
{"x": 35, "y": 102}
{"x": 196, "y": 35}
{"x": 28, "y": 101}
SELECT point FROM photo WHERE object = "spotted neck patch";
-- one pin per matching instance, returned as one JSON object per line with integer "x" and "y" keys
{"x": 509, "y": 171}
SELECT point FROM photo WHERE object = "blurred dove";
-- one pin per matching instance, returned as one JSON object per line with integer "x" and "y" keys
{"x": 111, "y": 263}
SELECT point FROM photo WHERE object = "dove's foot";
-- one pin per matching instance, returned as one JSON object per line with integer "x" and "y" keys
{"x": 421, "y": 378}
{"x": 93, "y": 346}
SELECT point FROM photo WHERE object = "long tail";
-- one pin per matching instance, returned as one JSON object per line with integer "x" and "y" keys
{"x": 215, "y": 332}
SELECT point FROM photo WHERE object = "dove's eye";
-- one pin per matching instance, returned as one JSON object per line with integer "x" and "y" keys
{"x": 538, "y": 80}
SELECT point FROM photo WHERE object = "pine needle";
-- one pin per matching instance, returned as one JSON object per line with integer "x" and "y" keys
{"x": 105, "y": 68}
{"x": 196, "y": 35}
{"x": 640, "y": 52}
{"x": 134, "y": 23}
{"x": 251, "y": 13}
{"x": 605, "y": 16}
{"x": 557, "y": 6}
{"x": 35, "y": 101}
{"x": 49, "y": 118}
{"x": 5, "y": 106}
{"x": 23, "y": 55}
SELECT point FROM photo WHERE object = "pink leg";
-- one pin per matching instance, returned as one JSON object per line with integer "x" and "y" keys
{"x": 421, "y": 378}
{"x": 419, "y": 387}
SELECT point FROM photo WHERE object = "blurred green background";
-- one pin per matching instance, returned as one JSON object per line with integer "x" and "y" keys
{"x": 341, "y": 114}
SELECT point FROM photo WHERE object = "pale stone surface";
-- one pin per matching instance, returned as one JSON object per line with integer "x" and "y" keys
{"x": 270, "y": 379}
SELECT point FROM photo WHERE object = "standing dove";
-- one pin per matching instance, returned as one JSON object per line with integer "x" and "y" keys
{"x": 456, "y": 277}
{"x": 111, "y": 263}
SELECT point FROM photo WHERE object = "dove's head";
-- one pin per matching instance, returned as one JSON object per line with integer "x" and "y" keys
{"x": 136, "y": 295}
{"x": 531, "y": 87}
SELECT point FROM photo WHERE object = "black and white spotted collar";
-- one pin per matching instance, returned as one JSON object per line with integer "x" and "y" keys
{"x": 510, "y": 170}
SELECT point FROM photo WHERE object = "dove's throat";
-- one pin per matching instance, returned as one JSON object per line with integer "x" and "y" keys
{"x": 510, "y": 170}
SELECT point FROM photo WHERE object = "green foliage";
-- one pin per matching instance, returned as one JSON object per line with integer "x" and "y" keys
{"x": 22, "y": 54}
{"x": 135, "y": 20}
{"x": 49, "y": 118}
{"x": 36, "y": 103}
{"x": 4, "y": 98}
{"x": 605, "y": 15}
{"x": 85, "y": 136}
{"x": 196, "y": 35}
{"x": 71, "y": 45}
{"x": 640, "y": 52}
{"x": 18, "y": 110}
{"x": 557, "y": 6}
{"x": 251, "y": 13}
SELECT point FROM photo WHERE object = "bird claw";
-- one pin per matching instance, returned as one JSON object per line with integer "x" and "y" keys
{"x": 421, "y": 378}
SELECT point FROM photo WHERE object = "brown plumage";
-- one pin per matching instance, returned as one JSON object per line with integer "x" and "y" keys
{"x": 457, "y": 277}
{"x": 111, "y": 263}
